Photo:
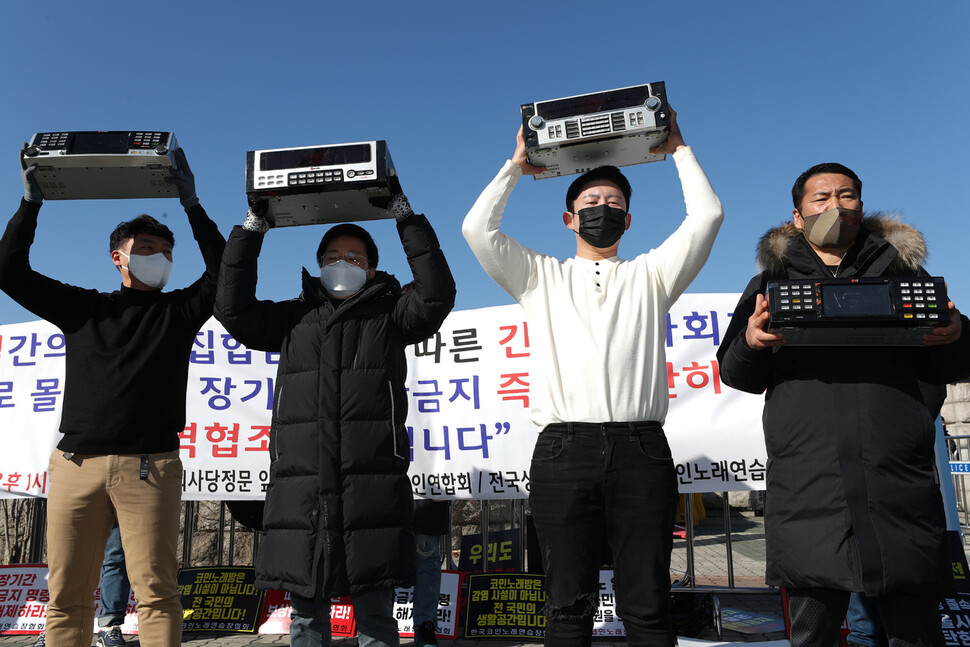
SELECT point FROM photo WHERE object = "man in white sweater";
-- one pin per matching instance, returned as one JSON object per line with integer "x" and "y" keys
{"x": 599, "y": 391}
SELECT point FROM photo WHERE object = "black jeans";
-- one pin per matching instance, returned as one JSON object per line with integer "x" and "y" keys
{"x": 618, "y": 476}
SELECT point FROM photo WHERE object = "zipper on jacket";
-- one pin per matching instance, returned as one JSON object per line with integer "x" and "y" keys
{"x": 356, "y": 364}
{"x": 838, "y": 267}
{"x": 390, "y": 392}
{"x": 276, "y": 436}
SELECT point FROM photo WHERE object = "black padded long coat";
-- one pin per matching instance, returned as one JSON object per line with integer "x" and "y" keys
{"x": 853, "y": 499}
{"x": 339, "y": 498}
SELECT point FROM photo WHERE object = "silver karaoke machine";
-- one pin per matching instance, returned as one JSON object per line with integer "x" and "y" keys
{"x": 576, "y": 134}
{"x": 85, "y": 165}
{"x": 313, "y": 185}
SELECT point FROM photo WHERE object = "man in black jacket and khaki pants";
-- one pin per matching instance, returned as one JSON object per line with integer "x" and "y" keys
{"x": 338, "y": 504}
{"x": 126, "y": 371}
{"x": 853, "y": 500}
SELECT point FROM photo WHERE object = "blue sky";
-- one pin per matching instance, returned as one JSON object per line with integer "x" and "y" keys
{"x": 763, "y": 90}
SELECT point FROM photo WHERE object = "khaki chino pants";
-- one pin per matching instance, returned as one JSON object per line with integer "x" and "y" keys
{"x": 86, "y": 493}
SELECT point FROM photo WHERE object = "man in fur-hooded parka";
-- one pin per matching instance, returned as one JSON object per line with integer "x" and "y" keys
{"x": 339, "y": 499}
{"x": 853, "y": 500}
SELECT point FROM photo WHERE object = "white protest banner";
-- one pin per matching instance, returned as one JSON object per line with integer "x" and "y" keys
{"x": 31, "y": 386}
{"x": 446, "y": 616}
{"x": 469, "y": 405}
{"x": 468, "y": 418}
{"x": 24, "y": 597}
{"x": 714, "y": 431}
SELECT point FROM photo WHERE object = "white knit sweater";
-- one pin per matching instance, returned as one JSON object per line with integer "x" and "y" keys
{"x": 597, "y": 327}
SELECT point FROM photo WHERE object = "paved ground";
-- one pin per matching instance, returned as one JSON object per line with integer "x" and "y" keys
{"x": 711, "y": 579}
{"x": 740, "y": 587}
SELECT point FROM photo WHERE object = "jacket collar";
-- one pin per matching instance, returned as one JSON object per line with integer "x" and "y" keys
{"x": 885, "y": 244}
{"x": 132, "y": 293}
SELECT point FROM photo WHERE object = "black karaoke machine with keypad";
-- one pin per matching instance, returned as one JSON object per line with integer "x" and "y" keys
{"x": 883, "y": 311}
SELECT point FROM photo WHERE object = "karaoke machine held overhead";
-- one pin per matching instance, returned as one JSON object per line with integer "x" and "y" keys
{"x": 324, "y": 184}
{"x": 578, "y": 133}
{"x": 85, "y": 165}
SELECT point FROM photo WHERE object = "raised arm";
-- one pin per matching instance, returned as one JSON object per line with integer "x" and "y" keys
{"x": 206, "y": 233}
{"x": 421, "y": 311}
{"x": 680, "y": 258}
{"x": 15, "y": 270}
{"x": 47, "y": 298}
{"x": 510, "y": 264}
{"x": 261, "y": 325}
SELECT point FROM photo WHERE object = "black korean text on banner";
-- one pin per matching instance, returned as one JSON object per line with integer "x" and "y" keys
{"x": 505, "y": 605}
{"x": 220, "y": 598}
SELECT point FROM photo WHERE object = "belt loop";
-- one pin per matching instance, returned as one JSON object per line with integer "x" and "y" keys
{"x": 633, "y": 431}
{"x": 570, "y": 431}
{"x": 143, "y": 470}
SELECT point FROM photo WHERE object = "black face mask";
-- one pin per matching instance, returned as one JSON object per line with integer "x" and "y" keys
{"x": 601, "y": 226}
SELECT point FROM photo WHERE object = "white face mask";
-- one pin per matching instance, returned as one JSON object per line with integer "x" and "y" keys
{"x": 342, "y": 279}
{"x": 152, "y": 270}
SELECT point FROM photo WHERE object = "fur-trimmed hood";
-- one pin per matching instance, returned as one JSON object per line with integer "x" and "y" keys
{"x": 908, "y": 241}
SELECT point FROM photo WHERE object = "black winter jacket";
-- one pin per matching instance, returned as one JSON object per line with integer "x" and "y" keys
{"x": 339, "y": 498}
{"x": 853, "y": 499}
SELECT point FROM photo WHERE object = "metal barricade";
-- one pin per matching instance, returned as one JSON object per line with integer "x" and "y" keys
{"x": 958, "y": 449}
{"x": 221, "y": 527}
{"x": 688, "y": 582}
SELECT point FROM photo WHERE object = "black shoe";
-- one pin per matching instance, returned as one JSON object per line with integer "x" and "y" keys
{"x": 424, "y": 635}
{"x": 111, "y": 637}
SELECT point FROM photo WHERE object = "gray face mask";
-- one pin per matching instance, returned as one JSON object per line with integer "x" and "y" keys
{"x": 342, "y": 279}
{"x": 833, "y": 229}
